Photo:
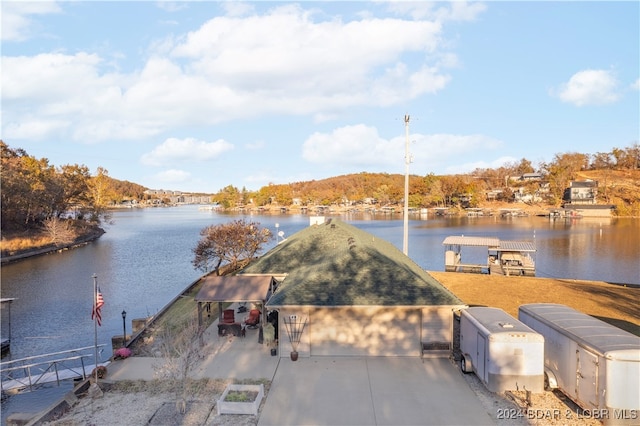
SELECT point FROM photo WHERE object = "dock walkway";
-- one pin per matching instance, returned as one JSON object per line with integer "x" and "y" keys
{"x": 30, "y": 372}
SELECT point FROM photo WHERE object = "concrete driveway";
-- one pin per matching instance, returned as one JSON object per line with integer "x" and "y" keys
{"x": 370, "y": 391}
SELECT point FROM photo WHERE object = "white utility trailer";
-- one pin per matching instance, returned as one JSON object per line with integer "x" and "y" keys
{"x": 504, "y": 353}
{"x": 594, "y": 363}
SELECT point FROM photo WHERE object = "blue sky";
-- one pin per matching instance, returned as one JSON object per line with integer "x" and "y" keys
{"x": 195, "y": 96}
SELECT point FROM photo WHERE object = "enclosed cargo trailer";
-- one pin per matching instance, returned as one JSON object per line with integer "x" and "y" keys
{"x": 504, "y": 353}
{"x": 594, "y": 363}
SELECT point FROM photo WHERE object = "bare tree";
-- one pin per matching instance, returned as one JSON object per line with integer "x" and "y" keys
{"x": 182, "y": 349}
{"x": 229, "y": 243}
{"x": 59, "y": 231}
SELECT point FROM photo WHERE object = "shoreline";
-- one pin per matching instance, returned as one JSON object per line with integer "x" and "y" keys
{"x": 80, "y": 241}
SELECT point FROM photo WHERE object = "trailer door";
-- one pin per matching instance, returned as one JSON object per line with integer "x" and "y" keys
{"x": 480, "y": 358}
{"x": 587, "y": 377}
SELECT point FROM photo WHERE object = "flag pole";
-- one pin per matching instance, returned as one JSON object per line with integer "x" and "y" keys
{"x": 95, "y": 324}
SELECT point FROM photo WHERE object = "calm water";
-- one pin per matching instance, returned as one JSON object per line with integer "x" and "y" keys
{"x": 144, "y": 260}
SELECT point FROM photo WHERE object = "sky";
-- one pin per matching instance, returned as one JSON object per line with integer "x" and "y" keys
{"x": 196, "y": 96}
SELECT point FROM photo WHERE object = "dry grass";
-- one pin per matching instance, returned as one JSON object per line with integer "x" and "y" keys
{"x": 19, "y": 243}
{"x": 615, "y": 304}
{"x": 178, "y": 315}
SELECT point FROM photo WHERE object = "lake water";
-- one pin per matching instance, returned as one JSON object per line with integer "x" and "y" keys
{"x": 144, "y": 260}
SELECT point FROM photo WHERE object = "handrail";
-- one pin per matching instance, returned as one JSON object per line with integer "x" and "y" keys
{"x": 21, "y": 374}
{"x": 53, "y": 361}
{"x": 2, "y": 364}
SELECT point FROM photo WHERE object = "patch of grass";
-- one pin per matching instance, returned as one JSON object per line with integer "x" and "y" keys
{"x": 177, "y": 317}
{"x": 199, "y": 387}
{"x": 241, "y": 396}
{"x": 615, "y": 304}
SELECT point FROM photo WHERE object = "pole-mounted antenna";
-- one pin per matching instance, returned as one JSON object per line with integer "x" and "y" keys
{"x": 407, "y": 161}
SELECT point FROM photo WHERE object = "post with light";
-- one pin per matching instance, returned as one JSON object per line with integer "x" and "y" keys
{"x": 124, "y": 328}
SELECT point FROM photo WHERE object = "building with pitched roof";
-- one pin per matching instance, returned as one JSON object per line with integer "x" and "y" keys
{"x": 344, "y": 292}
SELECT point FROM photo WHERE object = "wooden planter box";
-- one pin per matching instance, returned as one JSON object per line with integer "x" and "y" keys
{"x": 228, "y": 407}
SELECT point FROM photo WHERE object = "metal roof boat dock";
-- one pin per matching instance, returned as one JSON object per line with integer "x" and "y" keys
{"x": 503, "y": 257}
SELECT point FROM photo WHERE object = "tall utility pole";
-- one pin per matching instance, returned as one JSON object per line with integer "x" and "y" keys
{"x": 407, "y": 161}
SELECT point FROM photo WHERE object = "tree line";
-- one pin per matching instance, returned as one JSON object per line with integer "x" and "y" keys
{"x": 35, "y": 192}
{"x": 440, "y": 191}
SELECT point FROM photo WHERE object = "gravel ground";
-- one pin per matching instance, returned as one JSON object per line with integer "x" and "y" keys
{"x": 153, "y": 403}
{"x": 546, "y": 409}
{"x": 135, "y": 403}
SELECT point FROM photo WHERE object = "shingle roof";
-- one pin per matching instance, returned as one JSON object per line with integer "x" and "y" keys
{"x": 337, "y": 264}
{"x": 234, "y": 288}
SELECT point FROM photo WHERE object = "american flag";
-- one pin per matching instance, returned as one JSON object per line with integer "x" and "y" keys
{"x": 95, "y": 313}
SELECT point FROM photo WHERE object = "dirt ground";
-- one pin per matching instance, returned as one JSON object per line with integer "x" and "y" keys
{"x": 616, "y": 304}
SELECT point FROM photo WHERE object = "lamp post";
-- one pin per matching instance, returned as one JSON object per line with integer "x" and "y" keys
{"x": 124, "y": 328}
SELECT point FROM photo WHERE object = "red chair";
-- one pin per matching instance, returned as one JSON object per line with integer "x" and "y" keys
{"x": 253, "y": 319}
{"x": 228, "y": 316}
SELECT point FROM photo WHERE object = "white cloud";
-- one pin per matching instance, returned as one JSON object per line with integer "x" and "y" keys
{"x": 54, "y": 88}
{"x": 361, "y": 146}
{"x": 15, "y": 18}
{"x": 430, "y": 152}
{"x": 455, "y": 11}
{"x": 636, "y": 85}
{"x": 286, "y": 61}
{"x": 237, "y": 8}
{"x": 173, "y": 176}
{"x": 33, "y": 129}
{"x": 180, "y": 150}
{"x": 357, "y": 145}
{"x": 231, "y": 67}
{"x": 590, "y": 87}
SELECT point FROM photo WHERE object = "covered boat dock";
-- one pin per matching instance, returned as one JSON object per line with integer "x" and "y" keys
{"x": 503, "y": 257}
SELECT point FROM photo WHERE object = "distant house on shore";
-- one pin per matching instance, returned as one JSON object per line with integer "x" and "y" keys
{"x": 580, "y": 200}
{"x": 356, "y": 294}
{"x": 582, "y": 192}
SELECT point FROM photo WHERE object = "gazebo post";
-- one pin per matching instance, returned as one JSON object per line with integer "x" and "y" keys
{"x": 199, "y": 315}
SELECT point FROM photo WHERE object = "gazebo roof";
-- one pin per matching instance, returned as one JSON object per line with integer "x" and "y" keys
{"x": 235, "y": 288}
